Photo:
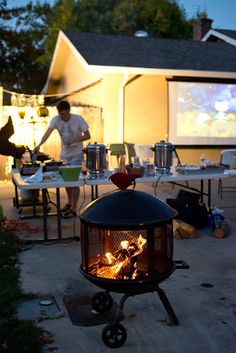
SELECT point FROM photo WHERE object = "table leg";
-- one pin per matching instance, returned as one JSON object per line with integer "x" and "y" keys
{"x": 94, "y": 192}
{"x": 34, "y": 194}
{"x": 16, "y": 204}
{"x": 202, "y": 190}
{"x": 45, "y": 214}
{"x": 58, "y": 213}
{"x": 209, "y": 194}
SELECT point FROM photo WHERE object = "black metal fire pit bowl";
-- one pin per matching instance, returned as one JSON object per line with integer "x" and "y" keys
{"x": 127, "y": 247}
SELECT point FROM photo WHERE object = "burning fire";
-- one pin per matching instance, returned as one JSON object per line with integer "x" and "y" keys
{"x": 122, "y": 264}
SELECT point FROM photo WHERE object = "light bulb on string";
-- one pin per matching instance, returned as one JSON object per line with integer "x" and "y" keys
{"x": 29, "y": 101}
{"x": 21, "y": 112}
{"x": 42, "y": 112}
{"x": 14, "y": 100}
{"x": 41, "y": 99}
{"x": 21, "y": 100}
{"x": 34, "y": 100}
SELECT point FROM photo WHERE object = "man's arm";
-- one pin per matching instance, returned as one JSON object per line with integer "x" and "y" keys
{"x": 43, "y": 140}
{"x": 86, "y": 136}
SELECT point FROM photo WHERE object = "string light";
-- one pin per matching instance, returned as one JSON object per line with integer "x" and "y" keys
{"x": 17, "y": 99}
{"x": 21, "y": 101}
{"x": 42, "y": 112}
{"x": 15, "y": 96}
{"x": 14, "y": 99}
{"x": 21, "y": 113}
{"x": 41, "y": 99}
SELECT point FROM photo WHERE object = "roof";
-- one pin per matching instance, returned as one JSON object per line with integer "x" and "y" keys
{"x": 227, "y": 32}
{"x": 223, "y": 35}
{"x": 131, "y": 51}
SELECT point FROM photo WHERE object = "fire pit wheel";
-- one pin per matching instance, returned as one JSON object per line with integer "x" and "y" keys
{"x": 102, "y": 302}
{"x": 114, "y": 335}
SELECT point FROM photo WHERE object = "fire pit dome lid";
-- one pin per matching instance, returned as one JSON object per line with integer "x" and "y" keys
{"x": 127, "y": 208}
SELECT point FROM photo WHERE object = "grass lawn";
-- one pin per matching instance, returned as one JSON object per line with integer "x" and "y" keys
{"x": 16, "y": 336}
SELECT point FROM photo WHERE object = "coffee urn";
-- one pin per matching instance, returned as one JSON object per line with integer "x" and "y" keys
{"x": 163, "y": 156}
{"x": 95, "y": 160}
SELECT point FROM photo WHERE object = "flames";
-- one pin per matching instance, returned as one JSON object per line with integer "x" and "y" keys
{"x": 121, "y": 264}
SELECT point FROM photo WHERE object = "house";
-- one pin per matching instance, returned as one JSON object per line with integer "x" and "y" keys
{"x": 128, "y": 78}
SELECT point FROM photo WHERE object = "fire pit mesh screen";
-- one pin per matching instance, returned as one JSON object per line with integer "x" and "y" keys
{"x": 128, "y": 254}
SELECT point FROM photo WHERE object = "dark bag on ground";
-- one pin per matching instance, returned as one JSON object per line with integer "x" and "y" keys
{"x": 189, "y": 208}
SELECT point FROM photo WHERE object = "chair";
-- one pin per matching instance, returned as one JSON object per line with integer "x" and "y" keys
{"x": 116, "y": 150}
{"x": 227, "y": 160}
{"x": 130, "y": 151}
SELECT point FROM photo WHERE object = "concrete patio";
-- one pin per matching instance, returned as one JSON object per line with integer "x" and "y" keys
{"x": 203, "y": 297}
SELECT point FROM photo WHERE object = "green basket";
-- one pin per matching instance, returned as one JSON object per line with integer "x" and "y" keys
{"x": 70, "y": 172}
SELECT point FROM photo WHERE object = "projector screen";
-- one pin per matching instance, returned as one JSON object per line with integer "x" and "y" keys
{"x": 202, "y": 113}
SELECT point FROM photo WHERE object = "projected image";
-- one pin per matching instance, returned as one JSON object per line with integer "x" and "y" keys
{"x": 202, "y": 113}
{"x": 206, "y": 110}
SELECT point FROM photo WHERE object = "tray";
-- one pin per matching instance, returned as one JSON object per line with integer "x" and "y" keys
{"x": 200, "y": 170}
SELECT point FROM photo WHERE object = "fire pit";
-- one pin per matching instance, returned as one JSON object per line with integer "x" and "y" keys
{"x": 127, "y": 247}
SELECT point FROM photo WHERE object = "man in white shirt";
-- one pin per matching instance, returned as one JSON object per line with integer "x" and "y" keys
{"x": 73, "y": 130}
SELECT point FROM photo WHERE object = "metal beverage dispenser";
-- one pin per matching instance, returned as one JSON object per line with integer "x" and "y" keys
{"x": 163, "y": 156}
{"x": 95, "y": 160}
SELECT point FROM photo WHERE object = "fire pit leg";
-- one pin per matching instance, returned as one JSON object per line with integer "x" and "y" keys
{"x": 119, "y": 312}
{"x": 167, "y": 306}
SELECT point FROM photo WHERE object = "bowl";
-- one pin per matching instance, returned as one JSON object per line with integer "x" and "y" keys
{"x": 70, "y": 172}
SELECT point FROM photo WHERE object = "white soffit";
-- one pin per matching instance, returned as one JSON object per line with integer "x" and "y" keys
{"x": 160, "y": 72}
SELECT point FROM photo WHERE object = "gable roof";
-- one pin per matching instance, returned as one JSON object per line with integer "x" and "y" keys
{"x": 226, "y": 35}
{"x": 227, "y": 32}
{"x": 156, "y": 53}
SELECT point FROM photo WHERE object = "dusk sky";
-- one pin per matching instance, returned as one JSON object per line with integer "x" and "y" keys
{"x": 223, "y": 12}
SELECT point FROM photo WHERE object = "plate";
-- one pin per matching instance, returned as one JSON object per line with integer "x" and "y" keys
{"x": 49, "y": 176}
{"x": 45, "y": 302}
{"x": 192, "y": 168}
{"x": 48, "y": 180}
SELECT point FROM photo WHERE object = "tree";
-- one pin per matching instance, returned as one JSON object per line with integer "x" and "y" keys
{"x": 27, "y": 40}
{"x": 96, "y": 15}
{"x": 160, "y": 18}
{"x": 61, "y": 17}
{"x": 22, "y": 35}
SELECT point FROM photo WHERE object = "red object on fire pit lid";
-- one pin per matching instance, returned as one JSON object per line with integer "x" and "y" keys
{"x": 123, "y": 180}
{"x": 127, "y": 208}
